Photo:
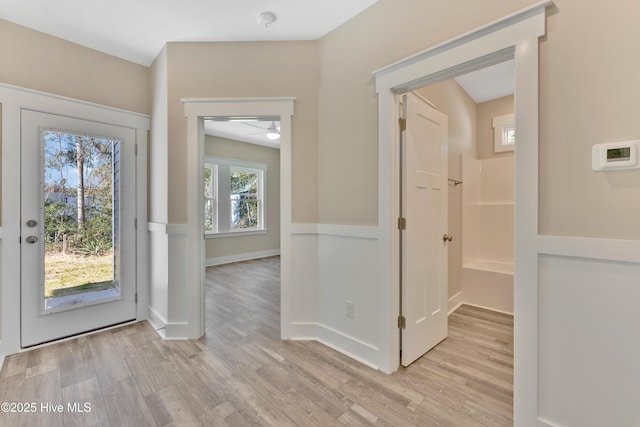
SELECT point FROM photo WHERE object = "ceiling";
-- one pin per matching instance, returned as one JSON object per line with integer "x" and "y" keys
{"x": 136, "y": 30}
{"x": 253, "y": 131}
{"x": 489, "y": 83}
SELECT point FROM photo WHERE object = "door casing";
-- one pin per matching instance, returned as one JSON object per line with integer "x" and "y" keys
{"x": 513, "y": 37}
{"x": 13, "y": 100}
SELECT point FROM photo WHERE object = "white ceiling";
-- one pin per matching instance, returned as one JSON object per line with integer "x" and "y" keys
{"x": 254, "y": 132}
{"x": 489, "y": 83}
{"x": 136, "y": 30}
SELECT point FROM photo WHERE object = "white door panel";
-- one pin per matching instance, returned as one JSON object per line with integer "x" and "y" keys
{"x": 424, "y": 256}
{"x": 45, "y": 188}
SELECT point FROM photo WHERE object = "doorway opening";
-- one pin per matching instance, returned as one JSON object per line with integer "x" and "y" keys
{"x": 241, "y": 211}
{"x": 473, "y": 232}
{"x": 514, "y": 37}
{"x": 241, "y": 188}
{"x": 458, "y": 217}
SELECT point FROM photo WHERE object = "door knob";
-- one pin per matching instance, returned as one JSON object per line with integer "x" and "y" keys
{"x": 31, "y": 239}
{"x": 447, "y": 238}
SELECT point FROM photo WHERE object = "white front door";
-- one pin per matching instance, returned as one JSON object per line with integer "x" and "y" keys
{"x": 78, "y": 240}
{"x": 424, "y": 207}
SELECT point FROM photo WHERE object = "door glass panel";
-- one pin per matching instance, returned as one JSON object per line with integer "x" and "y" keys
{"x": 81, "y": 200}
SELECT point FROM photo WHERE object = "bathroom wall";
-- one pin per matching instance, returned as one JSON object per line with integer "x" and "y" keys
{"x": 488, "y": 217}
{"x": 486, "y": 112}
{"x": 488, "y": 210}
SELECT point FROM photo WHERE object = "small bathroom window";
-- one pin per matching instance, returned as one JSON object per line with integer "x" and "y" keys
{"x": 504, "y": 133}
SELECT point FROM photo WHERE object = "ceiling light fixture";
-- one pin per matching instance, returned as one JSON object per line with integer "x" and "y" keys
{"x": 273, "y": 132}
{"x": 265, "y": 19}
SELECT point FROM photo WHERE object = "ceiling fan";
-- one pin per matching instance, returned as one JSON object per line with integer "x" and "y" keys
{"x": 272, "y": 132}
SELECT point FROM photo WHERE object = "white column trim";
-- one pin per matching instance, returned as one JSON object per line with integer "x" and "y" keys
{"x": 589, "y": 247}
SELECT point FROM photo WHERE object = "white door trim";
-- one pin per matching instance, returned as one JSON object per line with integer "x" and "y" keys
{"x": 195, "y": 110}
{"x": 13, "y": 99}
{"x": 515, "y": 36}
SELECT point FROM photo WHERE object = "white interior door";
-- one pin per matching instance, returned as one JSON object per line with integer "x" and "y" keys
{"x": 424, "y": 207}
{"x": 78, "y": 240}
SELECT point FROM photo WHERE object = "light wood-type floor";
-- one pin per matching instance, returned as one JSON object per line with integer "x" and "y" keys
{"x": 242, "y": 374}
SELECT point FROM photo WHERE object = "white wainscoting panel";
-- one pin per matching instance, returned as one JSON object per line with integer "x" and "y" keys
{"x": 348, "y": 275}
{"x": 158, "y": 275}
{"x": 589, "y": 334}
{"x": 334, "y": 264}
{"x": 304, "y": 248}
{"x": 168, "y": 311}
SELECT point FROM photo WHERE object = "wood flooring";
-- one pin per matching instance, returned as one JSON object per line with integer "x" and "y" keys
{"x": 241, "y": 374}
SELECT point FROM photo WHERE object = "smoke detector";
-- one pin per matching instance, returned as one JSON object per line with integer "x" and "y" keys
{"x": 265, "y": 19}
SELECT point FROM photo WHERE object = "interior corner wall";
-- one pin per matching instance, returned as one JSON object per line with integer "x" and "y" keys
{"x": 461, "y": 111}
{"x": 35, "y": 60}
{"x": 158, "y": 181}
{"x": 233, "y": 247}
{"x": 380, "y": 35}
{"x": 247, "y": 69}
{"x": 486, "y": 112}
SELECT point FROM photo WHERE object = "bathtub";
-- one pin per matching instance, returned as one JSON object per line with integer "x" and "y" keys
{"x": 488, "y": 284}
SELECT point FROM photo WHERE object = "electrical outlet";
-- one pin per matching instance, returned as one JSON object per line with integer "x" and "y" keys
{"x": 350, "y": 309}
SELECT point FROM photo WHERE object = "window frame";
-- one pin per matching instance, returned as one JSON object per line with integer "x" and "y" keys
{"x": 214, "y": 196}
{"x": 222, "y": 192}
{"x": 501, "y": 127}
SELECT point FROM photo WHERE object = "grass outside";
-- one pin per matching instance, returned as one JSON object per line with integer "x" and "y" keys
{"x": 73, "y": 274}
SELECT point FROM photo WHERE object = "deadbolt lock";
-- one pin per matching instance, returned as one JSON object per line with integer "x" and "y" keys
{"x": 32, "y": 223}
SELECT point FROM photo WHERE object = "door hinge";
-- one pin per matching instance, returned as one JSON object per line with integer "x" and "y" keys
{"x": 402, "y": 124}
{"x": 135, "y": 149}
{"x": 135, "y": 298}
{"x": 402, "y": 223}
{"x": 135, "y": 224}
{"x": 402, "y": 322}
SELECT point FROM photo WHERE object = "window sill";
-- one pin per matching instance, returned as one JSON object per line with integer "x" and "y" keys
{"x": 234, "y": 234}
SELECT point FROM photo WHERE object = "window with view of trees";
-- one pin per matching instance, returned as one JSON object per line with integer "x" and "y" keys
{"x": 233, "y": 196}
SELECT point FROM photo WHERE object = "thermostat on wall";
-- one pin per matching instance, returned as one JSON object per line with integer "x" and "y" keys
{"x": 615, "y": 155}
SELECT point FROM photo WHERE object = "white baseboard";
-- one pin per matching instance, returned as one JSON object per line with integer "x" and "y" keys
{"x": 156, "y": 320}
{"x": 1, "y": 356}
{"x": 347, "y": 345}
{"x": 302, "y": 331}
{"x": 454, "y": 302}
{"x": 241, "y": 257}
{"x": 177, "y": 331}
{"x": 167, "y": 330}
{"x": 487, "y": 308}
{"x": 545, "y": 423}
{"x": 338, "y": 341}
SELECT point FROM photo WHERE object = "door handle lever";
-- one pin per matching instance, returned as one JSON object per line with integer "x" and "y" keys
{"x": 447, "y": 238}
